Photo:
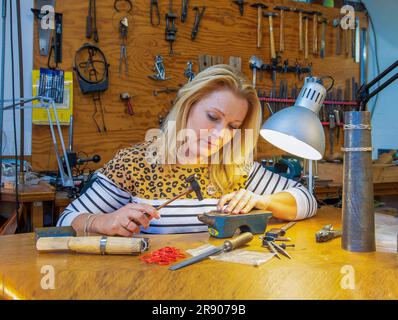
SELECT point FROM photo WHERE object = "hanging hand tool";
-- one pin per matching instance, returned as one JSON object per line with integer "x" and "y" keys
{"x": 345, "y": 41}
{"x": 336, "y": 24}
{"x": 188, "y": 72}
{"x": 338, "y": 124}
{"x": 281, "y": 25}
{"x": 300, "y": 28}
{"x": 124, "y": 25}
{"x": 338, "y": 117}
{"x": 171, "y": 30}
{"x": 44, "y": 34}
{"x": 92, "y": 72}
{"x": 166, "y": 90}
{"x": 160, "y": 69}
{"x": 154, "y": 9}
{"x": 306, "y": 18}
{"x": 255, "y": 64}
{"x": 357, "y": 40}
{"x": 126, "y": 97}
{"x": 129, "y": 5}
{"x": 198, "y": 17}
{"x": 241, "y": 4}
{"x": 259, "y": 6}
{"x": 226, "y": 247}
{"x": 184, "y": 10}
{"x": 91, "y": 26}
{"x": 236, "y": 62}
{"x": 324, "y": 23}
{"x": 56, "y": 45}
{"x": 327, "y": 233}
{"x": 316, "y": 15}
{"x": 332, "y": 125}
{"x": 270, "y": 16}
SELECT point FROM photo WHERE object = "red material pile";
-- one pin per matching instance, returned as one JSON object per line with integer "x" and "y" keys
{"x": 163, "y": 256}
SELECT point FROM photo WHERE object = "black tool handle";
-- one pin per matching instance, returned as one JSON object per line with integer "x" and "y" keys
{"x": 89, "y": 30}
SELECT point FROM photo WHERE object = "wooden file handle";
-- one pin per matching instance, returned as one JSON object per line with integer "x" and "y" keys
{"x": 315, "y": 35}
{"x": 239, "y": 241}
{"x": 111, "y": 245}
{"x": 281, "y": 35}
{"x": 271, "y": 36}
{"x": 301, "y": 46}
{"x": 259, "y": 27}
{"x": 306, "y": 40}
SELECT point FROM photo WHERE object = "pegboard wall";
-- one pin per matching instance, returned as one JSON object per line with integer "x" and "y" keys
{"x": 223, "y": 32}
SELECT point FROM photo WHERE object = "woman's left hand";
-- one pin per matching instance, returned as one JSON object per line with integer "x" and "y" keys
{"x": 242, "y": 201}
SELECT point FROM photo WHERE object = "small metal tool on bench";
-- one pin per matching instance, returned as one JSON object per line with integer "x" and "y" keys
{"x": 327, "y": 233}
{"x": 226, "y": 247}
{"x": 275, "y": 234}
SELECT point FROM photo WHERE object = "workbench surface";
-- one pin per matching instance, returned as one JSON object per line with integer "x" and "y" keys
{"x": 317, "y": 271}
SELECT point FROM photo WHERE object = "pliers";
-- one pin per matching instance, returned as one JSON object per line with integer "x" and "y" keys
{"x": 154, "y": 7}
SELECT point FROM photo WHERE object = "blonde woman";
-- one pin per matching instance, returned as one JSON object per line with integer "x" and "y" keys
{"x": 211, "y": 131}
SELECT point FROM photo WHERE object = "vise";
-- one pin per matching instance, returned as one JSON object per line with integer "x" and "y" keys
{"x": 221, "y": 225}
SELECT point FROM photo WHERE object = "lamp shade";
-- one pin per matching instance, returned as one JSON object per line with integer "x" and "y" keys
{"x": 296, "y": 130}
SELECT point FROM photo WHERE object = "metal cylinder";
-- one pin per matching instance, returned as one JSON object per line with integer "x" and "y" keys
{"x": 358, "y": 210}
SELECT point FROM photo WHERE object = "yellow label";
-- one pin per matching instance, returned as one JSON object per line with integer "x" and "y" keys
{"x": 213, "y": 232}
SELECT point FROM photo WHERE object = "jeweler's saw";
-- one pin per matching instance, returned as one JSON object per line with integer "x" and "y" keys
{"x": 222, "y": 225}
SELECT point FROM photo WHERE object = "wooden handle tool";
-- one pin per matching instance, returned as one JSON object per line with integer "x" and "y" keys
{"x": 94, "y": 245}
{"x": 238, "y": 241}
{"x": 301, "y": 46}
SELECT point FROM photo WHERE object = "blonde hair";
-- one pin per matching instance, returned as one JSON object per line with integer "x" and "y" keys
{"x": 217, "y": 77}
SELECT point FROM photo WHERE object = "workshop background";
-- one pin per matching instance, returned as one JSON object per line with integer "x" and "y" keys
{"x": 223, "y": 32}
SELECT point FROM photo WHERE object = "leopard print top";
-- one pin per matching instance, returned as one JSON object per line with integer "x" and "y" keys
{"x": 131, "y": 172}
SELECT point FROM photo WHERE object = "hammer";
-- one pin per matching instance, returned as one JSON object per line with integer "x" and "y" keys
{"x": 315, "y": 18}
{"x": 271, "y": 32}
{"x": 281, "y": 34}
{"x": 193, "y": 186}
{"x": 260, "y": 6}
{"x": 306, "y": 34}
{"x": 127, "y": 97}
{"x": 300, "y": 25}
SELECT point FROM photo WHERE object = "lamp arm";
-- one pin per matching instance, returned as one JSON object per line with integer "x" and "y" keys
{"x": 364, "y": 96}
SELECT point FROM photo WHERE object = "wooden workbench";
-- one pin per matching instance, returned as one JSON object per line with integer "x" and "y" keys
{"x": 314, "y": 273}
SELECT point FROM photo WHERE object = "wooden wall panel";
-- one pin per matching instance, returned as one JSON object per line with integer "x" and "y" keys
{"x": 223, "y": 32}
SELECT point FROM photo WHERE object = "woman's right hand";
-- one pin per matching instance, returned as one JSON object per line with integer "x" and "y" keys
{"x": 126, "y": 221}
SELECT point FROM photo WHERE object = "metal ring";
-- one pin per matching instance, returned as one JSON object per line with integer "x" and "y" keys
{"x": 360, "y": 149}
{"x": 103, "y": 245}
{"x": 357, "y": 126}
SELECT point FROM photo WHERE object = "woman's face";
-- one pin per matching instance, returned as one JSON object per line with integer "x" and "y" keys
{"x": 213, "y": 119}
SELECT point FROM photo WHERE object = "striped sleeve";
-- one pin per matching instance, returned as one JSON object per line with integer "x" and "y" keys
{"x": 103, "y": 196}
{"x": 262, "y": 181}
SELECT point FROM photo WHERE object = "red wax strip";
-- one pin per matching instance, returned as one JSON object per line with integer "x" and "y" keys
{"x": 163, "y": 256}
